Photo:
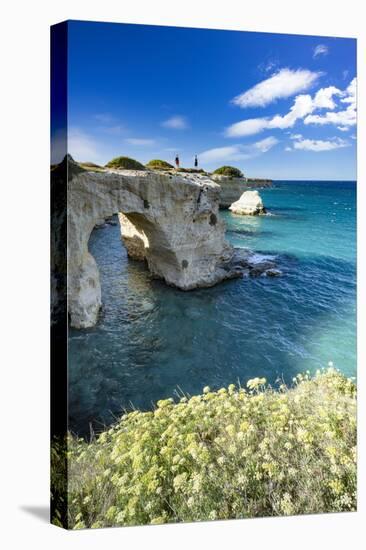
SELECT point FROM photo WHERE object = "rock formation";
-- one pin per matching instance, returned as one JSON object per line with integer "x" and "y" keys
{"x": 253, "y": 264}
{"x": 231, "y": 188}
{"x": 249, "y": 204}
{"x": 171, "y": 221}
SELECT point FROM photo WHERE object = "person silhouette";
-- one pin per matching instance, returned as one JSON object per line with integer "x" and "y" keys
{"x": 195, "y": 161}
{"x": 177, "y": 161}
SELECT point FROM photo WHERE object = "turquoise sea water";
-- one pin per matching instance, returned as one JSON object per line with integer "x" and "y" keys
{"x": 152, "y": 339}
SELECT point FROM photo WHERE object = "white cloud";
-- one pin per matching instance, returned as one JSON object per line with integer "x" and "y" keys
{"x": 265, "y": 144}
{"x": 295, "y": 136}
{"x": 247, "y": 127}
{"x": 176, "y": 122}
{"x": 320, "y": 49}
{"x": 347, "y": 117}
{"x": 282, "y": 84}
{"x": 343, "y": 128}
{"x": 350, "y": 93}
{"x": 319, "y": 145}
{"x": 303, "y": 108}
{"x": 288, "y": 148}
{"x": 238, "y": 152}
{"x": 140, "y": 141}
{"x": 82, "y": 147}
{"x": 231, "y": 152}
{"x": 324, "y": 97}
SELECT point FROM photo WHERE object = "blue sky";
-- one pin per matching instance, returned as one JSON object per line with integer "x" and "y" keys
{"x": 278, "y": 106}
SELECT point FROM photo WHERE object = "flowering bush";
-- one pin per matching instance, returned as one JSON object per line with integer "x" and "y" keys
{"x": 233, "y": 453}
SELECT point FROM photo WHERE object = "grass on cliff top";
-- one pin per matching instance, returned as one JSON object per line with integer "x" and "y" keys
{"x": 234, "y": 453}
{"x": 125, "y": 163}
{"x": 191, "y": 170}
{"x": 91, "y": 167}
{"x": 157, "y": 164}
{"x": 229, "y": 171}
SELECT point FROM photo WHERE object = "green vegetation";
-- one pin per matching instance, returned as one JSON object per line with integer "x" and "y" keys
{"x": 91, "y": 167}
{"x": 125, "y": 163}
{"x": 229, "y": 171}
{"x": 157, "y": 164}
{"x": 191, "y": 170}
{"x": 234, "y": 453}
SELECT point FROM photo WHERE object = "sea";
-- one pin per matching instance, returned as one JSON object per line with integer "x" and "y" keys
{"x": 153, "y": 341}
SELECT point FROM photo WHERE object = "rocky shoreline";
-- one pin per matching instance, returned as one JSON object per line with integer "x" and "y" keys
{"x": 170, "y": 221}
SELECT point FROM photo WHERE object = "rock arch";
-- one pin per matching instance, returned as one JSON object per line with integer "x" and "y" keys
{"x": 171, "y": 221}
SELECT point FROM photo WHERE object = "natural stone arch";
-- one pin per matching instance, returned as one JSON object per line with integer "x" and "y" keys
{"x": 171, "y": 221}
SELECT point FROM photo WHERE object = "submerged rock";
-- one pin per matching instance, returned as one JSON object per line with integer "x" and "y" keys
{"x": 249, "y": 204}
{"x": 273, "y": 272}
{"x": 250, "y": 263}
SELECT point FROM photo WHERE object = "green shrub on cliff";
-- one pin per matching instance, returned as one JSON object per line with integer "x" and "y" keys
{"x": 91, "y": 166}
{"x": 191, "y": 170}
{"x": 125, "y": 163}
{"x": 157, "y": 164}
{"x": 229, "y": 171}
{"x": 234, "y": 453}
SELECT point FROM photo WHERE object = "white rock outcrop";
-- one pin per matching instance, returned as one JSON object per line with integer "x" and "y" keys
{"x": 232, "y": 188}
{"x": 171, "y": 221}
{"x": 249, "y": 204}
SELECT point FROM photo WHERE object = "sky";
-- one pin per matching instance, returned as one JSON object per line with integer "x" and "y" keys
{"x": 274, "y": 105}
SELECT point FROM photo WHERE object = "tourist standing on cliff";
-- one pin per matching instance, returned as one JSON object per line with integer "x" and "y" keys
{"x": 177, "y": 161}
{"x": 195, "y": 161}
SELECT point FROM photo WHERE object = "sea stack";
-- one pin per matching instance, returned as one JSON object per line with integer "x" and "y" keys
{"x": 249, "y": 204}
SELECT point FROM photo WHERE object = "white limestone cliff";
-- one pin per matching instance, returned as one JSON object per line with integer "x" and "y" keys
{"x": 171, "y": 221}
